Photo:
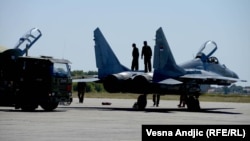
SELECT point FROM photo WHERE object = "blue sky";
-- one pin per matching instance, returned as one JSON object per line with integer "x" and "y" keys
{"x": 68, "y": 25}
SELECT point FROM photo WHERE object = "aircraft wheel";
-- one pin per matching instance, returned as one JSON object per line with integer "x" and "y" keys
{"x": 142, "y": 102}
{"x": 193, "y": 103}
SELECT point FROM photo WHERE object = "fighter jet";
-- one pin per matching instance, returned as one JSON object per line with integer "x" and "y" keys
{"x": 167, "y": 78}
{"x": 188, "y": 78}
{"x": 116, "y": 77}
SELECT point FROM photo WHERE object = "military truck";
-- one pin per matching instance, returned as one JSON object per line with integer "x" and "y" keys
{"x": 27, "y": 82}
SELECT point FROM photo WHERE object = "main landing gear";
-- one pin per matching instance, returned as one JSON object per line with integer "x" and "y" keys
{"x": 193, "y": 103}
{"x": 191, "y": 95}
{"x": 141, "y": 102}
{"x": 192, "y": 99}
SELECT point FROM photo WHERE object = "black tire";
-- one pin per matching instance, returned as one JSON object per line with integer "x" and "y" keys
{"x": 49, "y": 106}
{"x": 193, "y": 103}
{"x": 29, "y": 107}
{"x": 142, "y": 102}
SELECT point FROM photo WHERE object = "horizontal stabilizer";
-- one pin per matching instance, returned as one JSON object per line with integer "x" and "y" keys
{"x": 170, "y": 81}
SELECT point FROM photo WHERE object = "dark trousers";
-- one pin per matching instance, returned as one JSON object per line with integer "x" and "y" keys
{"x": 134, "y": 64}
{"x": 147, "y": 63}
{"x": 80, "y": 96}
{"x": 156, "y": 99}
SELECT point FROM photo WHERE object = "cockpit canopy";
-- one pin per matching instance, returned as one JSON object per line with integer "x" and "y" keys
{"x": 29, "y": 38}
{"x": 213, "y": 60}
{"x": 206, "y": 51}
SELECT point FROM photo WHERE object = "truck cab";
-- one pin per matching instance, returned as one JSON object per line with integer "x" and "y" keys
{"x": 43, "y": 81}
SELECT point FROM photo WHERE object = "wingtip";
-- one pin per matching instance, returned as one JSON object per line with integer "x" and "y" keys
{"x": 243, "y": 80}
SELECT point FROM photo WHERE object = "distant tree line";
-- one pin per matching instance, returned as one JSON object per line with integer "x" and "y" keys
{"x": 91, "y": 87}
{"x": 232, "y": 89}
{"x": 80, "y": 73}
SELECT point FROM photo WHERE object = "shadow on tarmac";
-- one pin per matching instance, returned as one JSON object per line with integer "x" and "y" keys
{"x": 35, "y": 111}
{"x": 147, "y": 110}
{"x": 156, "y": 110}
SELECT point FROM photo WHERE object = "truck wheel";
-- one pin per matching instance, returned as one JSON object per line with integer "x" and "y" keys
{"x": 50, "y": 106}
{"x": 29, "y": 107}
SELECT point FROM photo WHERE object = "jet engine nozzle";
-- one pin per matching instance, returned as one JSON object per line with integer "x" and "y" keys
{"x": 142, "y": 83}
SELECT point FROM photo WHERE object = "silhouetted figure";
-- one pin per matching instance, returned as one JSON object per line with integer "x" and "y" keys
{"x": 135, "y": 55}
{"x": 156, "y": 99}
{"x": 183, "y": 98}
{"x": 81, "y": 91}
{"x": 147, "y": 53}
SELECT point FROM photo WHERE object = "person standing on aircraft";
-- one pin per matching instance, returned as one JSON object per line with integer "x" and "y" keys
{"x": 81, "y": 91}
{"x": 135, "y": 55}
{"x": 147, "y": 53}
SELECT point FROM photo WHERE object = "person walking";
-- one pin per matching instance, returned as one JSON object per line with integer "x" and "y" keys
{"x": 81, "y": 91}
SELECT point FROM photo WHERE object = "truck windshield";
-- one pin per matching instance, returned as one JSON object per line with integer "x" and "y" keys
{"x": 61, "y": 69}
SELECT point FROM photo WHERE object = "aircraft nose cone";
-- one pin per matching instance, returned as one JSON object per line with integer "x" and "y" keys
{"x": 234, "y": 75}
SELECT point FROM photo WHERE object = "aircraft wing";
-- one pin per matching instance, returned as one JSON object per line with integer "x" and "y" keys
{"x": 86, "y": 80}
{"x": 2, "y": 49}
{"x": 203, "y": 77}
{"x": 170, "y": 81}
{"x": 210, "y": 79}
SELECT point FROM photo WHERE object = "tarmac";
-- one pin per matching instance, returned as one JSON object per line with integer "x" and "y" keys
{"x": 92, "y": 121}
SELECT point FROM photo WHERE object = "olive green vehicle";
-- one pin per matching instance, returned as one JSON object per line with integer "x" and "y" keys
{"x": 28, "y": 82}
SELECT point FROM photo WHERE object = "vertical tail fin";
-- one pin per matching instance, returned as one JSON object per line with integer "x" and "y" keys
{"x": 164, "y": 62}
{"x": 106, "y": 61}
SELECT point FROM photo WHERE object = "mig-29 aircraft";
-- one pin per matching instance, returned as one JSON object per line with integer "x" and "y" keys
{"x": 188, "y": 78}
{"x": 116, "y": 77}
{"x": 167, "y": 78}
